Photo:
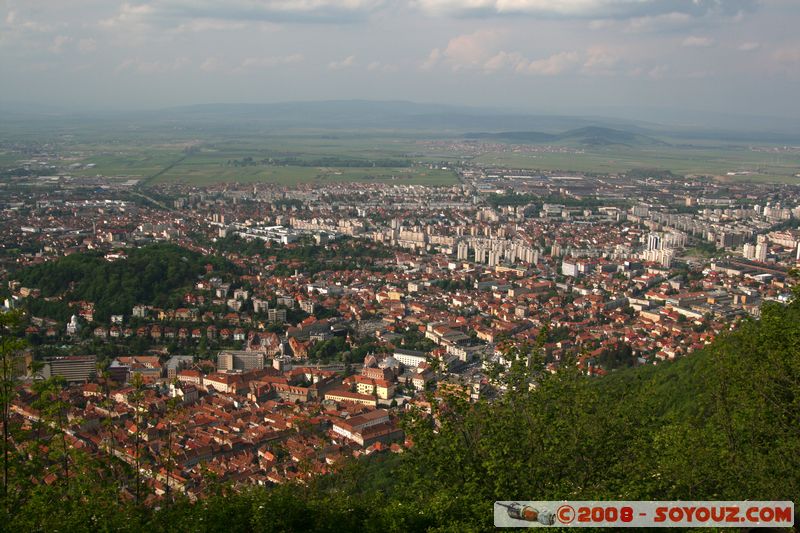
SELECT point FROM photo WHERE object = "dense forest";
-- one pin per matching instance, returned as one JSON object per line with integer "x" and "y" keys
{"x": 722, "y": 424}
{"x": 148, "y": 276}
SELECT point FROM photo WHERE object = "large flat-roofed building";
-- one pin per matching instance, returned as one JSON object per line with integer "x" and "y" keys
{"x": 240, "y": 360}
{"x": 177, "y": 363}
{"x": 354, "y": 424}
{"x": 368, "y": 428}
{"x": 409, "y": 358}
{"x": 74, "y": 368}
{"x": 340, "y": 395}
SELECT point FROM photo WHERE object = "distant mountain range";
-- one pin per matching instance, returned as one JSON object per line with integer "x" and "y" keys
{"x": 587, "y": 136}
{"x": 400, "y": 117}
{"x": 348, "y": 114}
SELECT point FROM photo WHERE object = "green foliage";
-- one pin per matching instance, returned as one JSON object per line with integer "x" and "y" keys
{"x": 415, "y": 340}
{"x": 10, "y": 347}
{"x": 618, "y": 356}
{"x": 327, "y": 350}
{"x": 149, "y": 276}
{"x": 652, "y": 173}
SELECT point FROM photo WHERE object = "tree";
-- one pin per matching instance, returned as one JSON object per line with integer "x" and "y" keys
{"x": 137, "y": 398}
{"x": 173, "y": 406}
{"x": 53, "y": 413}
{"x": 10, "y": 347}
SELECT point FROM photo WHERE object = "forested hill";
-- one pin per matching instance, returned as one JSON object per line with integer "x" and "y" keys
{"x": 722, "y": 424}
{"x": 148, "y": 276}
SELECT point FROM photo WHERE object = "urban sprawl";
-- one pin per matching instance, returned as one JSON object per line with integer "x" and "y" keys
{"x": 346, "y": 305}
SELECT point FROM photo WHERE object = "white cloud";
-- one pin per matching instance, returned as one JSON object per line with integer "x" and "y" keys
{"x": 656, "y": 23}
{"x": 129, "y": 14}
{"x": 694, "y": 41}
{"x": 600, "y": 60}
{"x": 658, "y": 72}
{"x": 551, "y": 66}
{"x": 347, "y": 62}
{"x": 377, "y": 66}
{"x": 432, "y": 60}
{"x": 59, "y": 41}
{"x": 145, "y": 66}
{"x": 479, "y": 51}
{"x": 205, "y": 24}
{"x": 748, "y": 46}
{"x": 788, "y": 57}
{"x": 654, "y": 73}
{"x": 502, "y": 60}
{"x": 211, "y": 64}
{"x": 87, "y": 44}
{"x": 270, "y": 61}
{"x": 215, "y": 15}
{"x": 467, "y": 51}
{"x": 17, "y": 22}
{"x": 584, "y": 8}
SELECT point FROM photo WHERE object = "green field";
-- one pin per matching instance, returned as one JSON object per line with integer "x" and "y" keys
{"x": 311, "y": 156}
{"x": 142, "y": 162}
{"x": 213, "y": 162}
{"x": 203, "y": 173}
{"x": 714, "y": 161}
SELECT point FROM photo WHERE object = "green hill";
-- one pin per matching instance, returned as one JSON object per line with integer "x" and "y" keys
{"x": 722, "y": 424}
{"x": 148, "y": 276}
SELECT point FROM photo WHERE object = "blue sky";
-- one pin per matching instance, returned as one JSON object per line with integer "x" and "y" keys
{"x": 546, "y": 55}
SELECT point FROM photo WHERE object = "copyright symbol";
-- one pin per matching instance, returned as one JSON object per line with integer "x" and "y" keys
{"x": 565, "y": 514}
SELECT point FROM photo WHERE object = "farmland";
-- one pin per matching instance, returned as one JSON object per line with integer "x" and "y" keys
{"x": 715, "y": 161}
{"x": 208, "y": 155}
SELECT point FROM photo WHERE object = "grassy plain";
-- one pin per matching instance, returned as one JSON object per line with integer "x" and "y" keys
{"x": 715, "y": 161}
{"x": 205, "y": 157}
{"x": 213, "y": 162}
{"x": 126, "y": 161}
{"x": 191, "y": 172}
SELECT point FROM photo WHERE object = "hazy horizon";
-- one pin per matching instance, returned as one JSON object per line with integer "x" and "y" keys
{"x": 562, "y": 57}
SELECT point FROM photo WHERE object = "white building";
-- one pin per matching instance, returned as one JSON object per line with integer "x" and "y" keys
{"x": 409, "y": 358}
{"x": 761, "y": 252}
{"x": 569, "y": 268}
{"x": 73, "y": 327}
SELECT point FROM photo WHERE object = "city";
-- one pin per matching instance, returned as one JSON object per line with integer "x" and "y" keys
{"x": 397, "y": 266}
{"x": 332, "y": 310}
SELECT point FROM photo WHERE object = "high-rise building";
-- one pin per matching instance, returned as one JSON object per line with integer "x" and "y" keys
{"x": 761, "y": 252}
{"x": 462, "y": 251}
{"x": 569, "y": 268}
{"x": 749, "y": 251}
{"x": 654, "y": 241}
{"x": 240, "y": 360}
{"x": 73, "y": 368}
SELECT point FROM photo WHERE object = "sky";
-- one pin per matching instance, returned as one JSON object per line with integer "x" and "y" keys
{"x": 562, "y": 56}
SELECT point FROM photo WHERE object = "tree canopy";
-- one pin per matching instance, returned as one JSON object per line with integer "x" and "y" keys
{"x": 148, "y": 276}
